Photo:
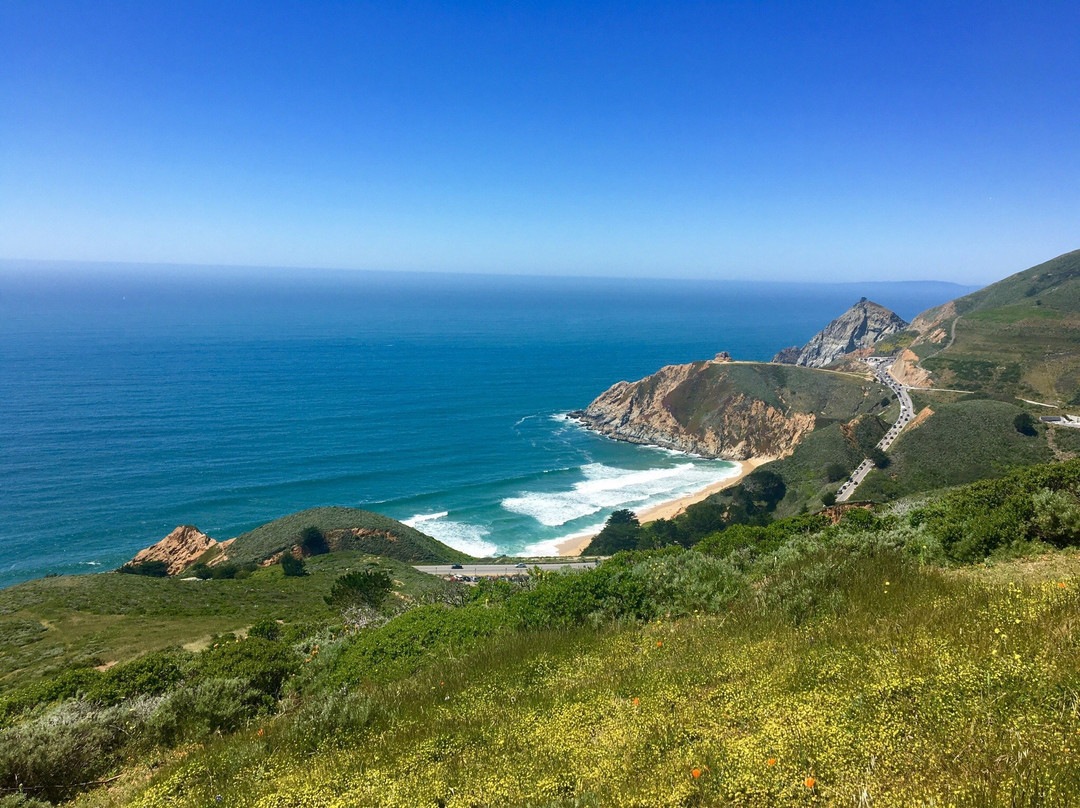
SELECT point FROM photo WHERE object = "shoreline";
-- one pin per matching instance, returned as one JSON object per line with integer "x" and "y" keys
{"x": 573, "y": 546}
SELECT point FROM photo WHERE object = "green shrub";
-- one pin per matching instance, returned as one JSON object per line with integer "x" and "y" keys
{"x": 622, "y": 531}
{"x": 154, "y": 569}
{"x": 202, "y": 572}
{"x": 1024, "y": 423}
{"x": 266, "y": 630}
{"x": 292, "y": 567}
{"x": 402, "y": 645}
{"x": 360, "y": 588}
{"x": 55, "y": 755}
{"x": 148, "y": 675}
{"x": 313, "y": 541}
{"x": 264, "y": 665}
{"x": 194, "y": 712}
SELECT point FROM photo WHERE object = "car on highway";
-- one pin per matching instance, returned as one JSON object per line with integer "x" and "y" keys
{"x": 456, "y": 567}
{"x": 521, "y": 565}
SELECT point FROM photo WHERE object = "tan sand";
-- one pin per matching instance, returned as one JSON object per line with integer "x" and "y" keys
{"x": 667, "y": 510}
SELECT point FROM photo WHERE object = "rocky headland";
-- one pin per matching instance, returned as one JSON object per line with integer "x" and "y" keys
{"x": 859, "y": 328}
{"x": 728, "y": 410}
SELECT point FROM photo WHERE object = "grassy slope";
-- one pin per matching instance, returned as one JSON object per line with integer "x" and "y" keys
{"x": 406, "y": 543}
{"x": 908, "y": 686}
{"x": 52, "y": 623}
{"x": 832, "y": 397}
{"x": 1020, "y": 336}
{"x": 962, "y": 442}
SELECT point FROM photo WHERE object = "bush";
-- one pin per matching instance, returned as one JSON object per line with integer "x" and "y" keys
{"x": 155, "y": 569}
{"x": 313, "y": 542}
{"x": 622, "y": 531}
{"x": 835, "y": 472}
{"x": 828, "y": 499}
{"x": 361, "y": 588}
{"x": 879, "y": 458}
{"x": 266, "y": 630}
{"x": 1024, "y": 423}
{"x": 202, "y": 572}
{"x": 292, "y": 567}
{"x": 74, "y": 744}
{"x": 211, "y": 706}
{"x": 263, "y": 665}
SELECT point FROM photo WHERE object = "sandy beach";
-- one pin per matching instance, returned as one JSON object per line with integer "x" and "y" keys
{"x": 667, "y": 510}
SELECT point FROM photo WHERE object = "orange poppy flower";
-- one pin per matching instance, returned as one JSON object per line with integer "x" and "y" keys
{"x": 637, "y": 702}
{"x": 695, "y": 773}
{"x": 809, "y": 782}
{"x": 659, "y": 643}
{"x": 770, "y": 762}
{"x": 1061, "y": 584}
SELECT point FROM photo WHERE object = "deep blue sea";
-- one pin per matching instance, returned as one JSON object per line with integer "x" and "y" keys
{"x": 136, "y": 399}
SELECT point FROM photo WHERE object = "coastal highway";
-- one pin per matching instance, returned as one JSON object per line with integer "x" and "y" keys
{"x": 494, "y": 570}
{"x": 882, "y": 368}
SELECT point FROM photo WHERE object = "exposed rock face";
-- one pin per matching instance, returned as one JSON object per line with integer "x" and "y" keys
{"x": 736, "y": 427}
{"x": 859, "y": 327}
{"x": 179, "y": 549}
{"x": 906, "y": 369}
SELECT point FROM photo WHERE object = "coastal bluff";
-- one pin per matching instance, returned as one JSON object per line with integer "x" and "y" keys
{"x": 729, "y": 410}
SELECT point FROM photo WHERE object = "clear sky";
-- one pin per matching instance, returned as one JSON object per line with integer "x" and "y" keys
{"x": 771, "y": 140}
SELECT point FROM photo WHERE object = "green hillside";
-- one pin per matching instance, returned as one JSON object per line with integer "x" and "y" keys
{"x": 960, "y": 443}
{"x": 345, "y": 529}
{"x": 701, "y": 401}
{"x": 879, "y": 661}
{"x": 51, "y": 624}
{"x": 1017, "y": 337}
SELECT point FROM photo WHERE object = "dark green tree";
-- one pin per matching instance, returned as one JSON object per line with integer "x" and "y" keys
{"x": 361, "y": 588}
{"x": 313, "y": 541}
{"x": 293, "y": 567}
{"x": 1024, "y": 424}
{"x": 621, "y": 532}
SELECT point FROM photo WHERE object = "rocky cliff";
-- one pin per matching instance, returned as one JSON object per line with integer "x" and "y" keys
{"x": 728, "y": 410}
{"x": 859, "y": 327}
{"x": 179, "y": 549}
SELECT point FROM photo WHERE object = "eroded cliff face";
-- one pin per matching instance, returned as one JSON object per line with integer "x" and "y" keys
{"x": 860, "y": 327}
{"x": 736, "y": 426}
{"x": 179, "y": 549}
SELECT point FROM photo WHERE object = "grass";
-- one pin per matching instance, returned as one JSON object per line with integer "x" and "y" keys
{"x": 905, "y": 685}
{"x": 50, "y": 624}
{"x": 704, "y": 400}
{"x": 961, "y": 442}
{"x": 351, "y": 529}
{"x": 1020, "y": 336}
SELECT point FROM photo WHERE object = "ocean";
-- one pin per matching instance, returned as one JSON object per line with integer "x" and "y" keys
{"x": 135, "y": 399}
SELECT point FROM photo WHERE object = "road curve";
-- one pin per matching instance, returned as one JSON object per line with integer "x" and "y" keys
{"x": 882, "y": 368}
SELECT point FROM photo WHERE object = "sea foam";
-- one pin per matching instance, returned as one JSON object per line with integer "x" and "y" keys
{"x": 459, "y": 535}
{"x": 607, "y": 487}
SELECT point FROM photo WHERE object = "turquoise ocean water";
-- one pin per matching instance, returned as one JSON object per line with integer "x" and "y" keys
{"x": 136, "y": 399}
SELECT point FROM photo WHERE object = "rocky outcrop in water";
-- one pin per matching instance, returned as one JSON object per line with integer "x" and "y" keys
{"x": 860, "y": 327}
{"x": 179, "y": 550}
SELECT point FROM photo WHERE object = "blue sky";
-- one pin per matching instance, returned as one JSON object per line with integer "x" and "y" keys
{"x": 831, "y": 141}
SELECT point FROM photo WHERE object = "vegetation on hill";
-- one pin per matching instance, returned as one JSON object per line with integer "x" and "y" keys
{"x": 80, "y": 621}
{"x": 733, "y": 410}
{"x": 965, "y": 441}
{"x": 1017, "y": 337}
{"x": 344, "y": 529}
{"x": 799, "y": 661}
